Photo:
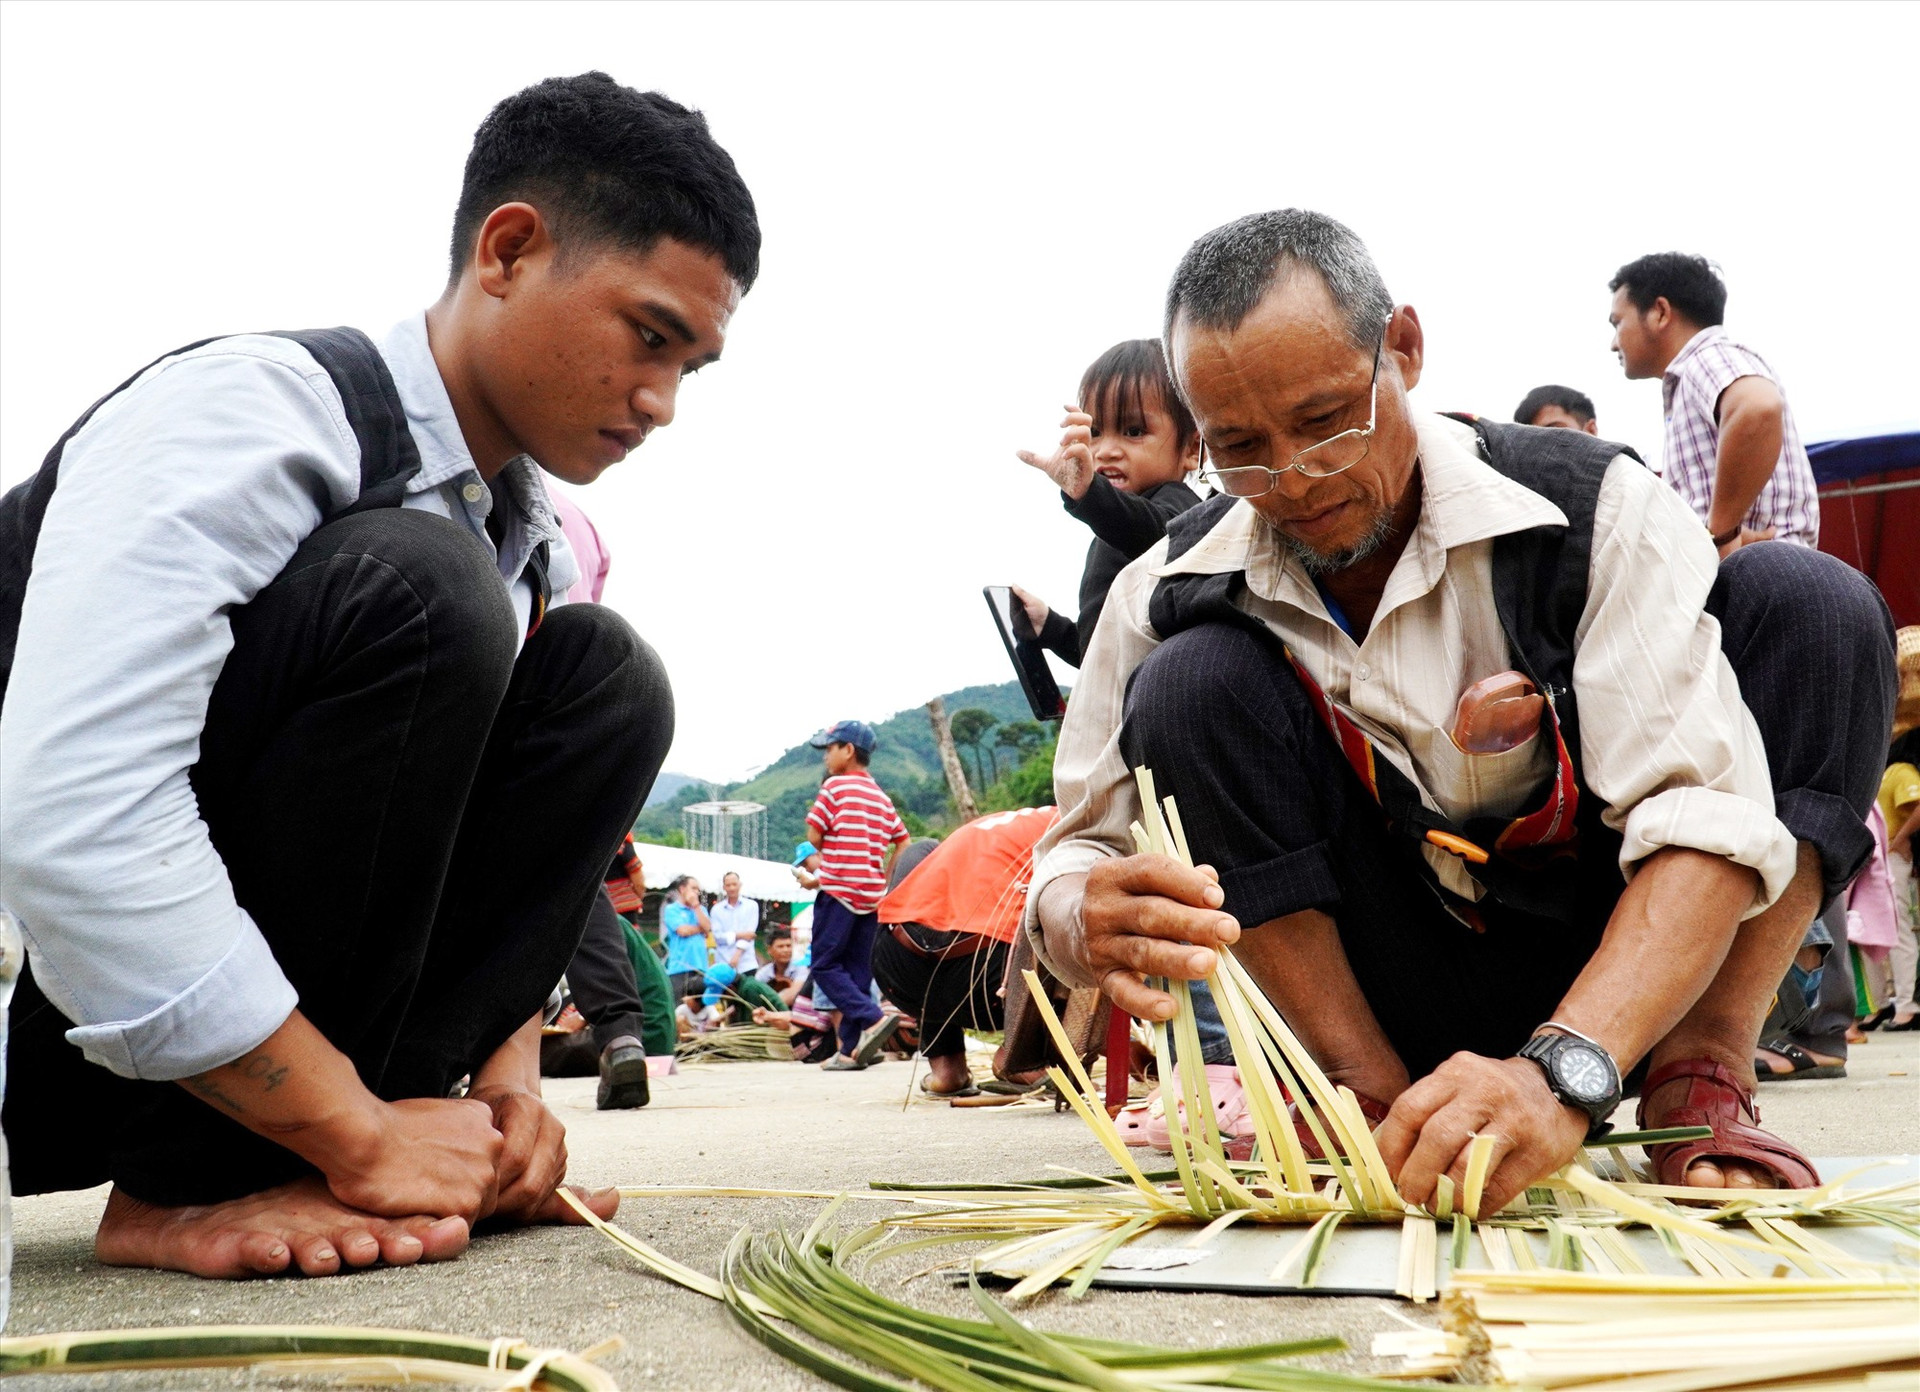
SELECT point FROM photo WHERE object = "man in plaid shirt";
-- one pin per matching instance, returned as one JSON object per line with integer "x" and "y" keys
{"x": 1732, "y": 452}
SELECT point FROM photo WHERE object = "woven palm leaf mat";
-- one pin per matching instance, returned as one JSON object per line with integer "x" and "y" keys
{"x": 1364, "y": 1258}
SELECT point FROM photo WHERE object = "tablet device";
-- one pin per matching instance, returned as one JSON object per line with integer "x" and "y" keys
{"x": 1029, "y": 659}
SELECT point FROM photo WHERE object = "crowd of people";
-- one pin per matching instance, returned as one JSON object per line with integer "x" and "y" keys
{"x": 1496, "y": 749}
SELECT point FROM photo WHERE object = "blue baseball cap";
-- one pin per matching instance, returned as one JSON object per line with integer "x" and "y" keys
{"x": 857, "y": 733}
{"x": 719, "y": 976}
{"x": 803, "y": 850}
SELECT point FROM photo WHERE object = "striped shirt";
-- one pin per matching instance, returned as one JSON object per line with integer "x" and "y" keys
{"x": 1690, "y": 394}
{"x": 857, "y": 824}
{"x": 1668, "y": 744}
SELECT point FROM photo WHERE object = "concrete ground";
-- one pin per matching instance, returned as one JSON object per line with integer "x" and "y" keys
{"x": 765, "y": 1125}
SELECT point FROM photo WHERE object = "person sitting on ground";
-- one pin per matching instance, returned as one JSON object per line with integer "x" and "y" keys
{"x": 1557, "y": 408}
{"x": 1121, "y": 468}
{"x": 1477, "y": 908}
{"x": 742, "y": 996}
{"x": 858, "y": 833}
{"x": 736, "y": 922}
{"x": 689, "y": 933}
{"x": 950, "y": 919}
{"x": 778, "y": 973}
{"x": 307, "y": 833}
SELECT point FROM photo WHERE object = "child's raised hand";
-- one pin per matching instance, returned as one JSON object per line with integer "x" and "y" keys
{"x": 1071, "y": 466}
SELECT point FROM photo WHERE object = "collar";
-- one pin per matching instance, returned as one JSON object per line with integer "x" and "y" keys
{"x": 1465, "y": 500}
{"x": 1712, "y": 334}
{"x": 444, "y": 456}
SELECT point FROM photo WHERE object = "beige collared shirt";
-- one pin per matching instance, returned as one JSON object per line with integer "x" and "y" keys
{"x": 1667, "y": 743}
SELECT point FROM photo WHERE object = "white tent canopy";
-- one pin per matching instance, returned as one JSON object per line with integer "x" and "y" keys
{"x": 759, "y": 879}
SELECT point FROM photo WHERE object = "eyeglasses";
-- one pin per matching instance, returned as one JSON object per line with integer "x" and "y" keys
{"x": 1334, "y": 455}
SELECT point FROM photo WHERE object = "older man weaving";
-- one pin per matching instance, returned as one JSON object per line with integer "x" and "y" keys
{"x": 1501, "y": 787}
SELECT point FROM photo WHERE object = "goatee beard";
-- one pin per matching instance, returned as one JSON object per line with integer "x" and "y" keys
{"x": 1327, "y": 562}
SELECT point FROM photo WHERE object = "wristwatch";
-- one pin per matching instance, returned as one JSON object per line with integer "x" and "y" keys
{"x": 1579, "y": 1072}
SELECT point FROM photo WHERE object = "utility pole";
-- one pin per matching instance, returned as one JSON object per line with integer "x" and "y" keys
{"x": 950, "y": 760}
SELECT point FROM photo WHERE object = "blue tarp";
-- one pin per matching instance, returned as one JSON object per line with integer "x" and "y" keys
{"x": 1836, "y": 461}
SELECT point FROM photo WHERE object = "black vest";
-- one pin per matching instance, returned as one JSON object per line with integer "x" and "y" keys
{"x": 1539, "y": 592}
{"x": 389, "y": 459}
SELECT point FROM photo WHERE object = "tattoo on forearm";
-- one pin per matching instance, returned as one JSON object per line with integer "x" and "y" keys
{"x": 262, "y": 1069}
{"x": 212, "y": 1092}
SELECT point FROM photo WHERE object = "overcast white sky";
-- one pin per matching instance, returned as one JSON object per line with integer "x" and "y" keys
{"x": 963, "y": 205}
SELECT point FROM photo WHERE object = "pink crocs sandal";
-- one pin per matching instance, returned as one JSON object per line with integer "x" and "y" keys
{"x": 1229, "y": 1109}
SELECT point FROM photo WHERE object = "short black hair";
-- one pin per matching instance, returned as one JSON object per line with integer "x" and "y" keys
{"x": 1232, "y": 268}
{"x": 605, "y": 163}
{"x": 1689, "y": 283}
{"x": 1114, "y": 389}
{"x": 860, "y": 756}
{"x": 1576, "y": 404}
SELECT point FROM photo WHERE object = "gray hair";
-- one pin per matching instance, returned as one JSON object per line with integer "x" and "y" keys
{"x": 1231, "y": 269}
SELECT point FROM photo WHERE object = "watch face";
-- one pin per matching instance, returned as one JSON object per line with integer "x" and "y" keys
{"x": 1583, "y": 1073}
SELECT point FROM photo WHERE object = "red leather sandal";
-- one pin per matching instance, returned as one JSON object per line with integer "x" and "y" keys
{"x": 1716, "y": 1099}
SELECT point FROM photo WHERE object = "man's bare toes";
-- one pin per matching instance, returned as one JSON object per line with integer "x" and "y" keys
{"x": 315, "y": 1255}
{"x": 400, "y": 1245}
{"x": 358, "y": 1247}
{"x": 602, "y": 1203}
{"x": 1741, "y": 1177}
{"x": 1704, "y": 1174}
{"x": 444, "y": 1239}
{"x": 262, "y": 1254}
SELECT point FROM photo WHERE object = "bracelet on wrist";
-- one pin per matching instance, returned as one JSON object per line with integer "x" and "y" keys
{"x": 1722, "y": 538}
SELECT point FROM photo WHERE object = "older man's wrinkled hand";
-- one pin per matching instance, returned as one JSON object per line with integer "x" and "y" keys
{"x": 1137, "y": 917}
{"x": 1427, "y": 1132}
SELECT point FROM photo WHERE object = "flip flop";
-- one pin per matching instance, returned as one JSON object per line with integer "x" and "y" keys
{"x": 926, "y": 1086}
{"x": 1805, "y": 1065}
{"x": 1716, "y": 1099}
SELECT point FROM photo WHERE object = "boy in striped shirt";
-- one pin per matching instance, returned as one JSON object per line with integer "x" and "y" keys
{"x": 858, "y": 833}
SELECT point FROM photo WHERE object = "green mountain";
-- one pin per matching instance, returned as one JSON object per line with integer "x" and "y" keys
{"x": 905, "y": 762}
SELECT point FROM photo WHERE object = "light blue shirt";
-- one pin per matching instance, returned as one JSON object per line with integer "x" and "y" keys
{"x": 180, "y": 500}
{"x": 685, "y": 952}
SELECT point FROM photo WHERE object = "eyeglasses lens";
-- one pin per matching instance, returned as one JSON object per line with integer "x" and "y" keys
{"x": 1333, "y": 456}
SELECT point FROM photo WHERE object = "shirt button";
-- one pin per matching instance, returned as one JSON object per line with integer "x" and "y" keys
{"x": 474, "y": 492}
{"x": 1364, "y": 672}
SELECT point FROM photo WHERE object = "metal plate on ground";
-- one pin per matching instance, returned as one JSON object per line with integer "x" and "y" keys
{"x": 1364, "y": 1258}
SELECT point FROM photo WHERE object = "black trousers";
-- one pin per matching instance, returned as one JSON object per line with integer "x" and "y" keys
{"x": 601, "y": 977}
{"x": 1267, "y": 799}
{"x": 417, "y": 819}
{"x": 947, "y": 997}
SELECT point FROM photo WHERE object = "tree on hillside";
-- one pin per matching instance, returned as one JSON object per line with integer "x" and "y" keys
{"x": 1018, "y": 737}
{"x": 970, "y": 727}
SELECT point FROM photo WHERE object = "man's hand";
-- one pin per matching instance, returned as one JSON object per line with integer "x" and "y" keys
{"x": 1748, "y": 536}
{"x": 533, "y": 1160}
{"x": 1071, "y": 466}
{"x": 1426, "y": 1134}
{"x": 1128, "y": 919}
{"x": 426, "y": 1155}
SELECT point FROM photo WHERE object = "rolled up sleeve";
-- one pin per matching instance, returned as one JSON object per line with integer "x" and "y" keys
{"x": 1666, "y": 741}
{"x": 180, "y": 500}
{"x": 1092, "y": 784}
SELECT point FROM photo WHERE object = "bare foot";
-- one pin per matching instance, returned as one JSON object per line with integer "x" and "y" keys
{"x": 299, "y": 1226}
{"x": 603, "y": 1203}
